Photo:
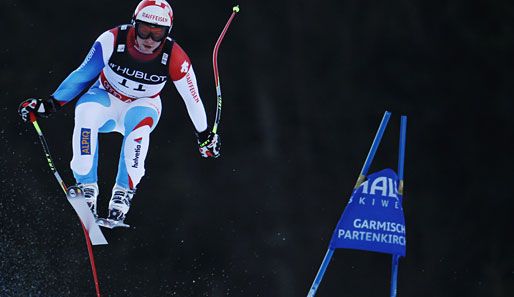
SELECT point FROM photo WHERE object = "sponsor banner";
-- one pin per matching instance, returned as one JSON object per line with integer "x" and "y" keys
{"x": 137, "y": 152}
{"x": 137, "y": 75}
{"x": 373, "y": 220}
{"x": 85, "y": 141}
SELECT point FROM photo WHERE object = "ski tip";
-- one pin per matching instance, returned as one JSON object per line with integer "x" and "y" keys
{"x": 111, "y": 224}
{"x": 236, "y": 8}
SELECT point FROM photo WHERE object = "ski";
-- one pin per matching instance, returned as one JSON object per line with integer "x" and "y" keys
{"x": 65, "y": 189}
{"x": 76, "y": 198}
{"x": 111, "y": 224}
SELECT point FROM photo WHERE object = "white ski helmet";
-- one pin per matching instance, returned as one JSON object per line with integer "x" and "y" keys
{"x": 156, "y": 12}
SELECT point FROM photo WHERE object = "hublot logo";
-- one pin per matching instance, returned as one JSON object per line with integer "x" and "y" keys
{"x": 153, "y": 78}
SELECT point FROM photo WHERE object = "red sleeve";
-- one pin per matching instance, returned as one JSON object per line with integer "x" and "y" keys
{"x": 179, "y": 63}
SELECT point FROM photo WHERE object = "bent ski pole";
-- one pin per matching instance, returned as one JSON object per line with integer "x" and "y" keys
{"x": 65, "y": 189}
{"x": 235, "y": 10}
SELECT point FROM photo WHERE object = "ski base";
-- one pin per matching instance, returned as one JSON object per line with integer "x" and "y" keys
{"x": 76, "y": 198}
{"x": 111, "y": 224}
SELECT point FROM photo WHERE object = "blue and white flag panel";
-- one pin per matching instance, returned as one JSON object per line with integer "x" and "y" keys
{"x": 373, "y": 220}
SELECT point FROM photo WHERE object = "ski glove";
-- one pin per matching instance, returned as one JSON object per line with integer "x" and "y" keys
{"x": 41, "y": 107}
{"x": 209, "y": 144}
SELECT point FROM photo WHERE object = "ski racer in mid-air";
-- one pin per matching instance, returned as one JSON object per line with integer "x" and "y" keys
{"x": 131, "y": 64}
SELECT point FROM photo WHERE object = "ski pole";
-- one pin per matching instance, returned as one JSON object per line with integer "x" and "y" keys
{"x": 235, "y": 10}
{"x": 47, "y": 153}
{"x": 65, "y": 189}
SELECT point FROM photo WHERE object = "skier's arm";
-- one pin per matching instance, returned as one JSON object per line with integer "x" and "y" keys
{"x": 184, "y": 78}
{"x": 75, "y": 83}
{"x": 89, "y": 70}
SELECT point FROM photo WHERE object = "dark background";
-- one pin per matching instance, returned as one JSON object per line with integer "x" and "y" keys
{"x": 305, "y": 85}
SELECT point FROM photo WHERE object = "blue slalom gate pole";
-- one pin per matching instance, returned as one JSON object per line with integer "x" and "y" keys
{"x": 401, "y": 162}
{"x": 373, "y": 150}
{"x": 321, "y": 272}
{"x": 362, "y": 176}
{"x": 394, "y": 275}
{"x": 401, "y": 159}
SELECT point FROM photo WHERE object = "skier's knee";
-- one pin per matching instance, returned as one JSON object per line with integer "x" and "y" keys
{"x": 140, "y": 116}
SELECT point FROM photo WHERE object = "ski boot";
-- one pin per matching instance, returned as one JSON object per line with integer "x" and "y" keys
{"x": 118, "y": 207}
{"x": 90, "y": 194}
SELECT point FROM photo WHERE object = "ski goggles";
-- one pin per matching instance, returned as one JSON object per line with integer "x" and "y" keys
{"x": 145, "y": 31}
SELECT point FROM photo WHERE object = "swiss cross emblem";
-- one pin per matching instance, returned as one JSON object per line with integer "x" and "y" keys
{"x": 185, "y": 67}
{"x": 159, "y": 3}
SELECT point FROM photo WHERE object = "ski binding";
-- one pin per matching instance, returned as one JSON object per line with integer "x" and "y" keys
{"x": 111, "y": 224}
{"x": 76, "y": 198}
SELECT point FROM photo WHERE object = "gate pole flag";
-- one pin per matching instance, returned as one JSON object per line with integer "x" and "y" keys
{"x": 360, "y": 180}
